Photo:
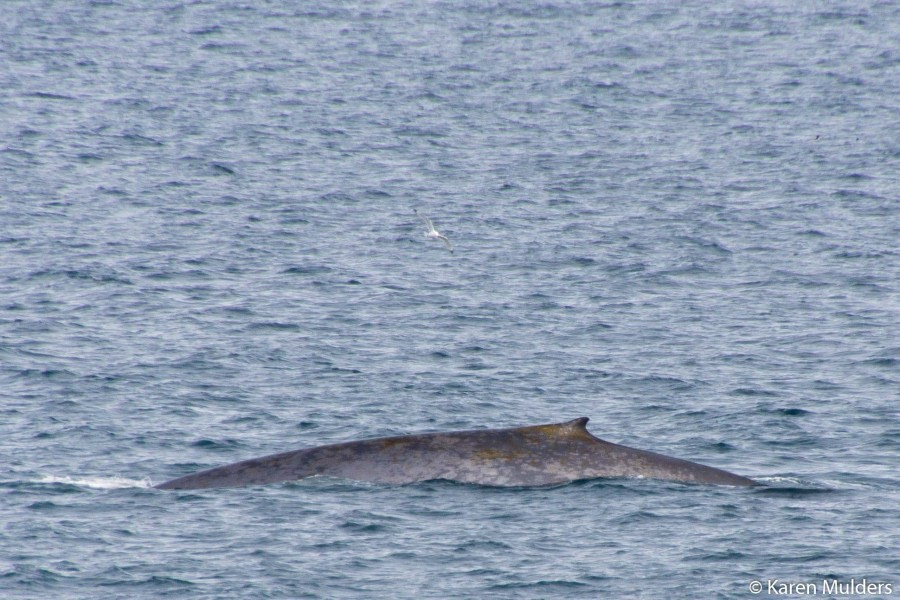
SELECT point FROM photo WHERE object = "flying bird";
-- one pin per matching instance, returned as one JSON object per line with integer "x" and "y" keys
{"x": 433, "y": 233}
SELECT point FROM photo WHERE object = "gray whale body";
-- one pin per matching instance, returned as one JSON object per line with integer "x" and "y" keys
{"x": 538, "y": 455}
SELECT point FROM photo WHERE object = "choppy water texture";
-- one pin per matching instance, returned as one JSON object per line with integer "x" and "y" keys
{"x": 679, "y": 219}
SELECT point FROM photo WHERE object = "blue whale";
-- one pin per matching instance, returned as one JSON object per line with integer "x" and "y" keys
{"x": 538, "y": 455}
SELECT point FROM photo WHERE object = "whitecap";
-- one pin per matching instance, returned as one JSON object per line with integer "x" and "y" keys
{"x": 97, "y": 483}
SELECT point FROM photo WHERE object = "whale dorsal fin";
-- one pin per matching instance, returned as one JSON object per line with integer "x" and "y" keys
{"x": 574, "y": 428}
{"x": 580, "y": 423}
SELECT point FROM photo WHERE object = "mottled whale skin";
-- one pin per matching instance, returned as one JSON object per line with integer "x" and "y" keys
{"x": 538, "y": 455}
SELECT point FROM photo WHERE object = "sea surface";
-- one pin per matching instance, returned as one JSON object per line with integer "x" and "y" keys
{"x": 681, "y": 219}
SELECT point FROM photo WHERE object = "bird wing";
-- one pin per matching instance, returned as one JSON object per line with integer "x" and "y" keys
{"x": 446, "y": 241}
{"x": 425, "y": 220}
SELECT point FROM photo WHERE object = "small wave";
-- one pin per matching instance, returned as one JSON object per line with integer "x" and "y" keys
{"x": 50, "y": 96}
{"x": 790, "y": 486}
{"x": 273, "y": 326}
{"x": 542, "y": 584}
{"x": 97, "y": 483}
{"x": 743, "y": 391}
{"x": 881, "y": 361}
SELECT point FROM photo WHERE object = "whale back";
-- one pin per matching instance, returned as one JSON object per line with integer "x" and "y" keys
{"x": 537, "y": 455}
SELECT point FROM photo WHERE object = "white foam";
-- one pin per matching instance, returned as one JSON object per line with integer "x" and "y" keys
{"x": 98, "y": 483}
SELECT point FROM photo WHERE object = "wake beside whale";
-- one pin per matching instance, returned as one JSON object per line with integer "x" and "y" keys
{"x": 537, "y": 455}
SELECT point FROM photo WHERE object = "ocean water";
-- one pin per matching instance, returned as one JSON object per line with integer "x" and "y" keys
{"x": 678, "y": 219}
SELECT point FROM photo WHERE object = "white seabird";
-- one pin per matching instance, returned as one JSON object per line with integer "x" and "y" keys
{"x": 434, "y": 233}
